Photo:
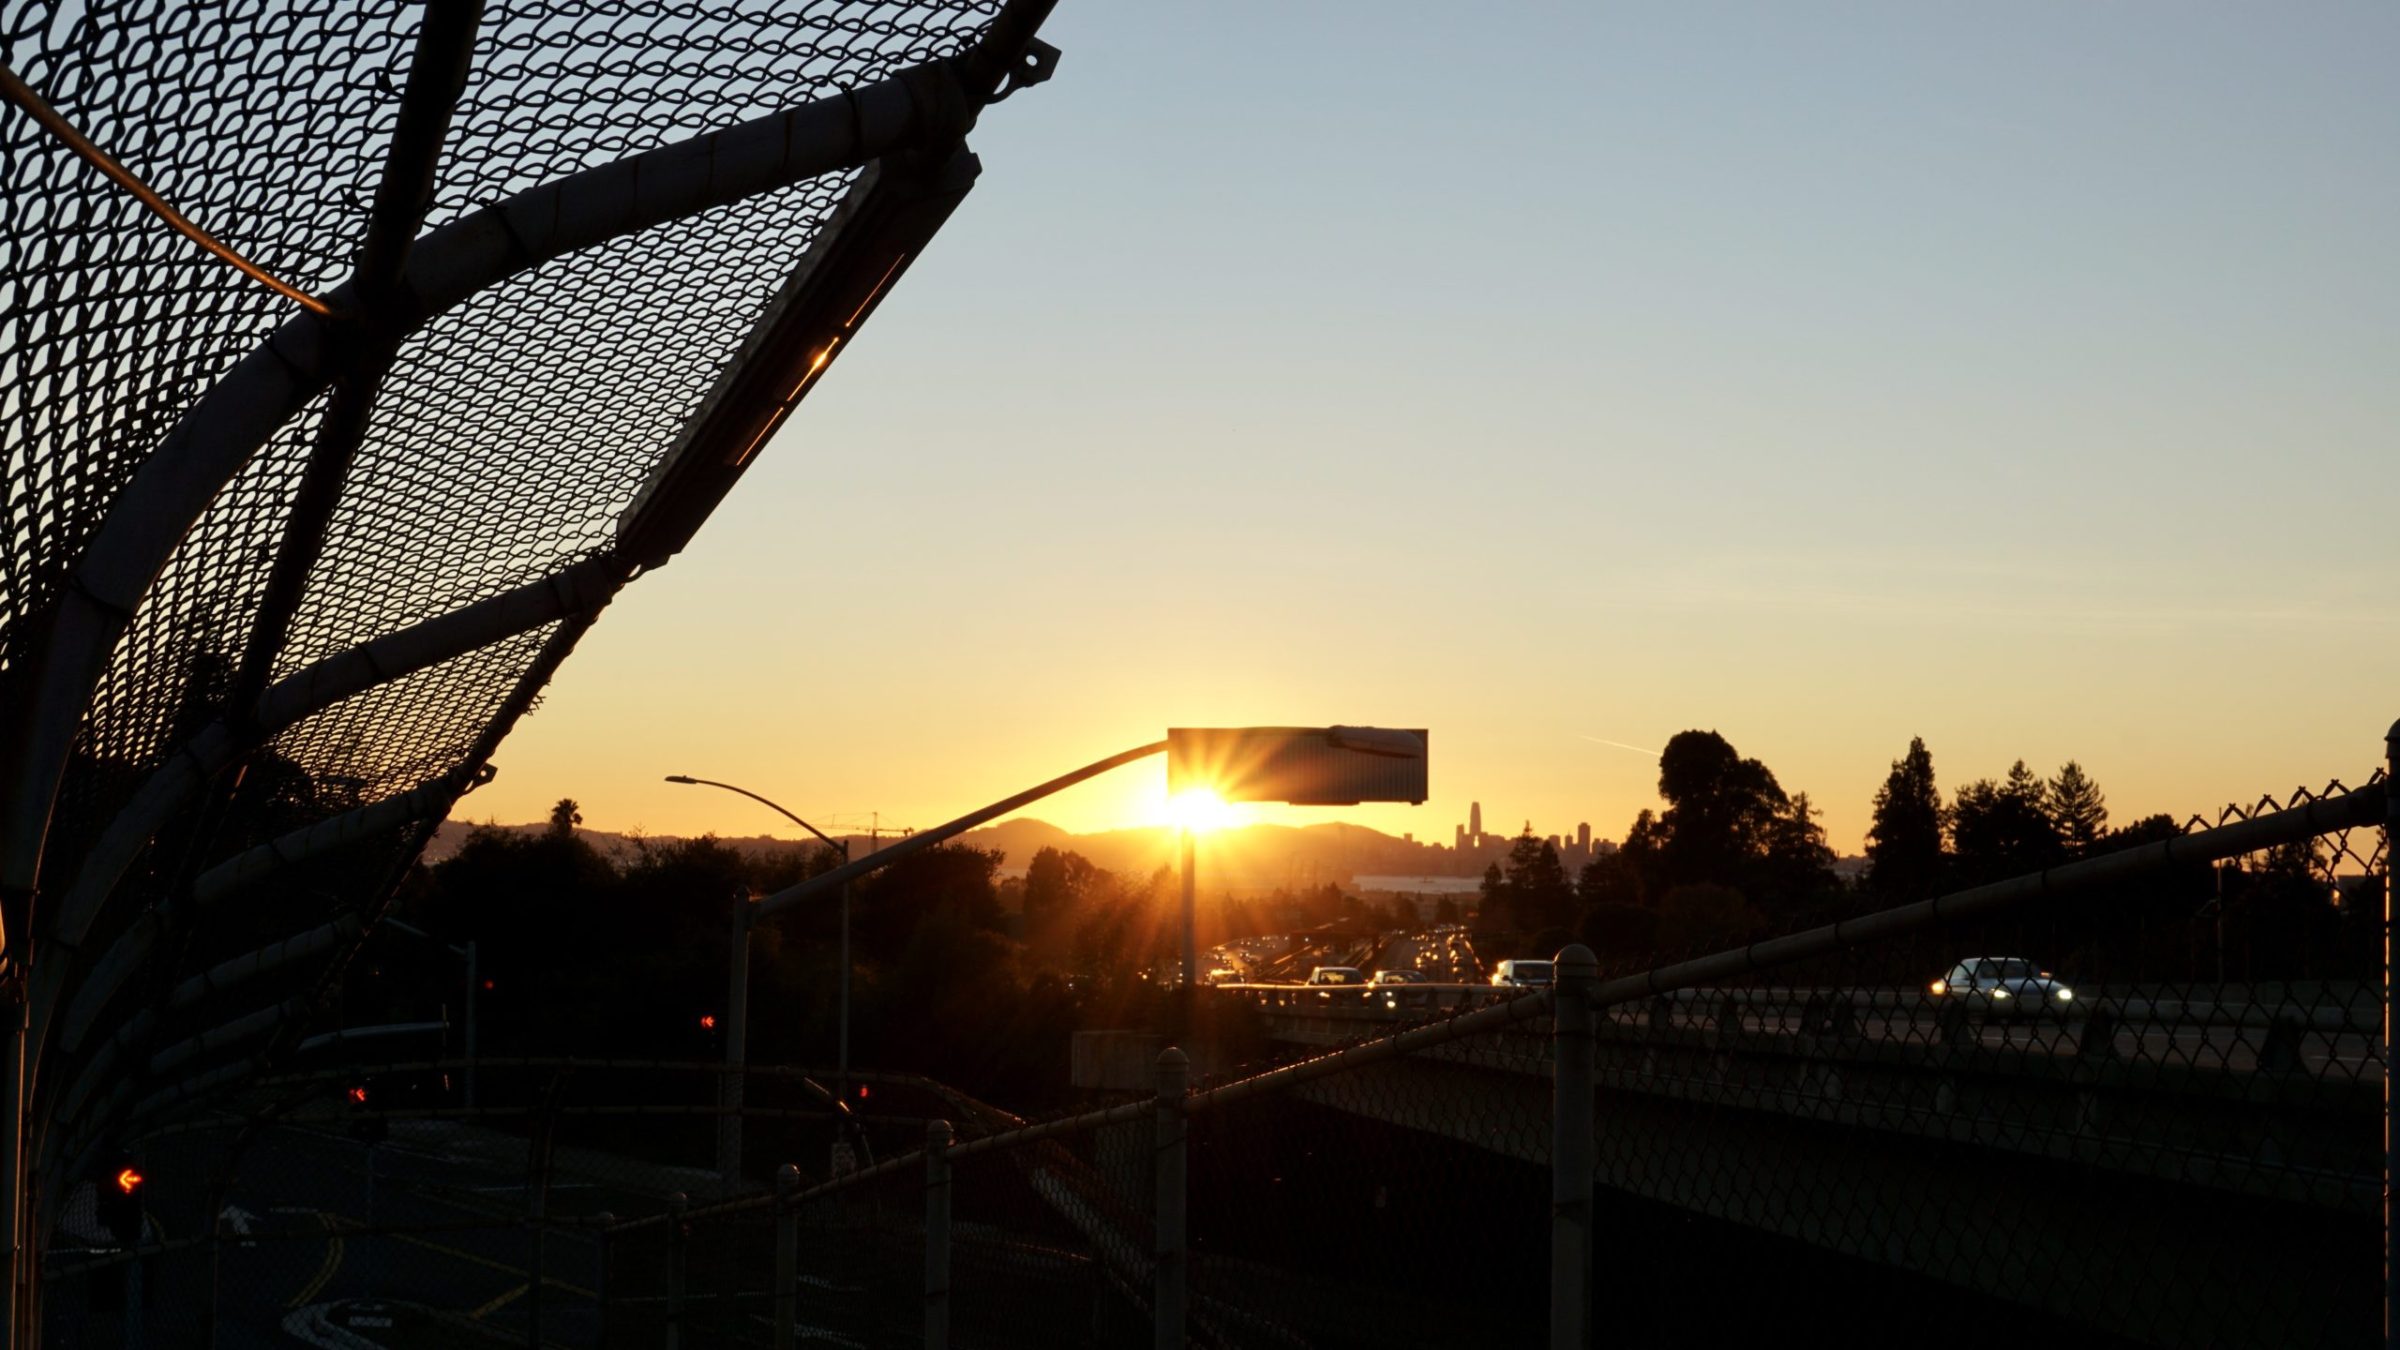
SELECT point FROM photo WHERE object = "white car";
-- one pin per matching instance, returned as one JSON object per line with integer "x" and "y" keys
{"x": 2003, "y": 986}
{"x": 1522, "y": 974}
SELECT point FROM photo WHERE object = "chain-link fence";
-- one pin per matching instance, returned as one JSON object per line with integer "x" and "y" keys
{"x": 340, "y": 397}
{"x": 1911, "y": 1118}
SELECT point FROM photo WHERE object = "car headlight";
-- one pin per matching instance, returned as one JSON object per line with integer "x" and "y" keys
{"x": 2000, "y": 994}
{"x": 2063, "y": 995}
{"x": 1940, "y": 987}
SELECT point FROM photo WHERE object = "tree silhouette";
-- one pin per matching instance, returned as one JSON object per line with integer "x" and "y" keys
{"x": 1495, "y": 891}
{"x": 564, "y": 817}
{"x": 1538, "y": 893}
{"x": 2004, "y": 829}
{"x": 1613, "y": 878}
{"x": 1904, "y": 844}
{"x": 1798, "y": 867}
{"x": 1728, "y": 823}
{"x": 1696, "y": 919}
{"x": 2078, "y": 807}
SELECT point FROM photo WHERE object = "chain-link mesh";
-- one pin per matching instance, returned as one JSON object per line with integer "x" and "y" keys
{"x": 2151, "y": 1140}
{"x": 506, "y": 437}
{"x": 2162, "y": 1138}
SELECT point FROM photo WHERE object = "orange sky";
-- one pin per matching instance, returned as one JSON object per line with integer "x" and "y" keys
{"x": 1998, "y": 376}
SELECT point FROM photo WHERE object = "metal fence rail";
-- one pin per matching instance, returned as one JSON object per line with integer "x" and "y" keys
{"x": 342, "y": 398}
{"x": 1691, "y": 1152}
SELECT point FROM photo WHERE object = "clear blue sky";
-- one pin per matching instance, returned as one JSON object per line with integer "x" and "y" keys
{"x": 2021, "y": 376}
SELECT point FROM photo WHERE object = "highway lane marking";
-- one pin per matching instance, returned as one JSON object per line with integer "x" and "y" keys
{"x": 471, "y": 1258}
{"x": 502, "y": 1301}
{"x": 429, "y": 1193}
{"x": 325, "y": 1272}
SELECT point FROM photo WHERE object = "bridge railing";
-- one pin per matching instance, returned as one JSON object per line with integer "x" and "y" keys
{"x": 2175, "y": 1149}
{"x": 1677, "y": 1153}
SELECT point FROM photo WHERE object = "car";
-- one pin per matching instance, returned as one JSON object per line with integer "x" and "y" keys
{"x": 1515, "y": 973}
{"x": 2002, "y": 986}
{"x": 1335, "y": 977}
{"x": 1400, "y": 977}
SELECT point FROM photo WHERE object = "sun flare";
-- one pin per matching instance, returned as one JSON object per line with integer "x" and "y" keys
{"x": 1199, "y": 811}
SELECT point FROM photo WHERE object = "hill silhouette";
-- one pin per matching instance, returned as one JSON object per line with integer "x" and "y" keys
{"x": 1250, "y": 856}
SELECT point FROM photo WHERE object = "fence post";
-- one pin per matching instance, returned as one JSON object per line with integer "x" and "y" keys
{"x": 2391, "y": 854}
{"x": 1571, "y": 1149}
{"x": 937, "y": 1235}
{"x": 1170, "y": 1269}
{"x": 676, "y": 1204}
{"x": 737, "y": 1047}
{"x": 603, "y": 1237}
{"x": 787, "y": 1257}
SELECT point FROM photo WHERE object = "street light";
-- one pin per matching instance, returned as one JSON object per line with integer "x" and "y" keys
{"x": 737, "y": 993}
{"x": 1308, "y": 766}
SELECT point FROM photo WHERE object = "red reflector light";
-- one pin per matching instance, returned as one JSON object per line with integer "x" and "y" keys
{"x": 358, "y": 1094}
{"x": 708, "y": 1021}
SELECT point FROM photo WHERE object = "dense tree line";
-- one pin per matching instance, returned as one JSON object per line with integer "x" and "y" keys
{"x": 1732, "y": 857}
{"x": 976, "y": 980}
{"x": 588, "y": 956}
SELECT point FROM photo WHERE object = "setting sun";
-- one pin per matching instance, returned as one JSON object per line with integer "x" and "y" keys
{"x": 1200, "y": 811}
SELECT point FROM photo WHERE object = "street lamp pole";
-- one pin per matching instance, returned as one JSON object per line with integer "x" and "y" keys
{"x": 1191, "y": 945}
{"x": 737, "y": 990}
{"x": 474, "y": 989}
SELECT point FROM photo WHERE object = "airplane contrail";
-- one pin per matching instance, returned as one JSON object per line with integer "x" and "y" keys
{"x": 1639, "y": 750}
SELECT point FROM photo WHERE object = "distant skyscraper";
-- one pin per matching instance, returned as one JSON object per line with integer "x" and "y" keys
{"x": 1459, "y": 841}
{"x": 1583, "y": 837}
{"x": 1475, "y": 823}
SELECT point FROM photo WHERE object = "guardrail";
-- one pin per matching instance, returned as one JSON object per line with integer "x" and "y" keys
{"x": 2360, "y": 1014}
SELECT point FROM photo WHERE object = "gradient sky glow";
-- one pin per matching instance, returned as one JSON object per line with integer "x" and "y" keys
{"x": 2018, "y": 376}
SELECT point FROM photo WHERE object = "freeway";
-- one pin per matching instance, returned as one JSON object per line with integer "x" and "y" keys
{"x": 321, "y": 1259}
{"x": 2328, "y": 1039}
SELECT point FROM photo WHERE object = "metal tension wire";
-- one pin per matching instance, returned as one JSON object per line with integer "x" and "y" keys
{"x": 19, "y": 93}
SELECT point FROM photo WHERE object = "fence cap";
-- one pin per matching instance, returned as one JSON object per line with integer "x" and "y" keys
{"x": 1173, "y": 1058}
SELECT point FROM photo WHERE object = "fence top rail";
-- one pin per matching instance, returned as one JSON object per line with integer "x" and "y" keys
{"x": 1409, "y": 987}
{"x": 781, "y": 1072}
{"x": 1527, "y": 1005}
{"x": 1534, "y": 1003}
{"x": 2351, "y": 810}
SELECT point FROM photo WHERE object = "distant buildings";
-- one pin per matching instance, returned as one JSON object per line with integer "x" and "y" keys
{"x": 1471, "y": 850}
